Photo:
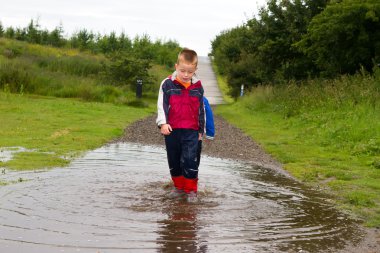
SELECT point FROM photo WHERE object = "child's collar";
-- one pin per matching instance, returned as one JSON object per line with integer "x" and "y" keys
{"x": 194, "y": 79}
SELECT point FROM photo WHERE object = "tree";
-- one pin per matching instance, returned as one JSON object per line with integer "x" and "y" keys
{"x": 165, "y": 53}
{"x": 263, "y": 49}
{"x": 344, "y": 37}
{"x": 280, "y": 26}
{"x": 83, "y": 39}
{"x": 124, "y": 68}
{"x": 55, "y": 37}
{"x": 125, "y": 42}
{"x": 1, "y": 30}
{"x": 227, "y": 48}
{"x": 20, "y": 34}
{"x": 10, "y": 33}
{"x": 32, "y": 32}
{"x": 143, "y": 47}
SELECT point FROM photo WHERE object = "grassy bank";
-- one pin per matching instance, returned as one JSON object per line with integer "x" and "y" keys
{"x": 326, "y": 133}
{"x": 55, "y": 130}
{"x": 68, "y": 73}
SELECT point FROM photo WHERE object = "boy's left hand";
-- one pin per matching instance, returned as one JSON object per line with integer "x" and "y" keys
{"x": 200, "y": 137}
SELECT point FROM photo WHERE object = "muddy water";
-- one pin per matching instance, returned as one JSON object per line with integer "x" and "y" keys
{"x": 112, "y": 200}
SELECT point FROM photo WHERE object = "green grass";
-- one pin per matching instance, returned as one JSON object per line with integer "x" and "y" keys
{"x": 34, "y": 159}
{"x": 42, "y": 70}
{"x": 34, "y": 79}
{"x": 326, "y": 134}
{"x": 58, "y": 130}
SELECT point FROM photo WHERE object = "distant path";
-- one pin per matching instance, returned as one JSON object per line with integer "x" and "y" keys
{"x": 209, "y": 82}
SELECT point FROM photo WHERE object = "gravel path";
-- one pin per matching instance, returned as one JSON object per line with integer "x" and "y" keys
{"x": 230, "y": 142}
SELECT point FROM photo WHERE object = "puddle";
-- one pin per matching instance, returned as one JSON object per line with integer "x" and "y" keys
{"x": 112, "y": 200}
{"x": 7, "y": 153}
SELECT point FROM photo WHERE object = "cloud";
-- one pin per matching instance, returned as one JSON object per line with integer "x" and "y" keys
{"x": 193, "y": 24}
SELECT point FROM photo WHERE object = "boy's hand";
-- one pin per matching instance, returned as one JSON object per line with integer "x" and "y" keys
{"x": 166, "y": 129}
{"x": 200, "y": 137}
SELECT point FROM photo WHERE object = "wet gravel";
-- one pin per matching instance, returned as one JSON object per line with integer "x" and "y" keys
{"x": 231, "y": 143}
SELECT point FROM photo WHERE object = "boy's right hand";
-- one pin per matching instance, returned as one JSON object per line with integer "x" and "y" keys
{"x": 166, "y": 129}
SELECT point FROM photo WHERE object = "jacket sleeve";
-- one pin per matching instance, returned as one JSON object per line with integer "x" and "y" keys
{"x": 210, "y": 128}
{"x": 162, "y": 106}
{"x": 202, "y": 117}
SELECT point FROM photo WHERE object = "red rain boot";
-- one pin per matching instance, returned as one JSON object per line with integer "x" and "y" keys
{"x": 179, "y": 182}
{"x": 177, "y": 190}
{"x": 191, "y": 188}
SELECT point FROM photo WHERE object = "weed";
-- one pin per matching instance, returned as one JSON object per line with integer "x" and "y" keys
{"x": 376, "y": 163}
{"x": 358, "y": 198}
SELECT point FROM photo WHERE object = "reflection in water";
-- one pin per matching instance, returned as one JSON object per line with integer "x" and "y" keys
{"x": 112, "y": 200}
{"x": 180, "y": 231}
{"x": 306, "y": 222}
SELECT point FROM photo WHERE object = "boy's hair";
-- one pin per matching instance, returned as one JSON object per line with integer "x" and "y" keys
{"x": 188, "y": 55}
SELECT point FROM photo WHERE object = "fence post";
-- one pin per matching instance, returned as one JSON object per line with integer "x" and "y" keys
{"x": 242, "y": 90}
{"x": 139, "y": 83}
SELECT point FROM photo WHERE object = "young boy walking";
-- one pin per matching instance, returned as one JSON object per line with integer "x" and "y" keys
{"x": 181, "y": 119}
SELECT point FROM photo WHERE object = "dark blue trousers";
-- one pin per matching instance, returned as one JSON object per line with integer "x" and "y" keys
{"x": 199, "y": 151}
{"x": 182, "y": 152}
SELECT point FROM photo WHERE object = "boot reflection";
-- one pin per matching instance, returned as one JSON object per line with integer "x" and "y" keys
{"x": 180, "y": 231}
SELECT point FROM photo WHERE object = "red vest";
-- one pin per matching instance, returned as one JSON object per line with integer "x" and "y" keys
{"x": 185, "y": 106}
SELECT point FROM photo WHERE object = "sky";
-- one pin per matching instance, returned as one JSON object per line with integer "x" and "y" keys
{"x": 192, "y": 23}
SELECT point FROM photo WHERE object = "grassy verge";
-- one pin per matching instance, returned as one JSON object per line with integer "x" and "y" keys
{"x": 325, "y": 133}
{"x": 55, "y": 130}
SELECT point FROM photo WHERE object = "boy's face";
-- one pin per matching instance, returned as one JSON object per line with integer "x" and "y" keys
{"x": 185, "y": 70}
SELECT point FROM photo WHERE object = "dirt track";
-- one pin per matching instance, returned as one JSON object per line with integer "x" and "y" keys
{"x": 230, "y": 142}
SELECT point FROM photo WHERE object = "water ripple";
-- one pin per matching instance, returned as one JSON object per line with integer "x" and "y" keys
{"x": 112, "y": 200}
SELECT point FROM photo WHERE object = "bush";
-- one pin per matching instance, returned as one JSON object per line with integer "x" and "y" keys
{"x": 73, "y": 65}
{"x": 16, "y": 76}
{"x": 125, "y": 69}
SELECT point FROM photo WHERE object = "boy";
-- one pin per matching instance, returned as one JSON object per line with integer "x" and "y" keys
{"x": 181, "y": 119}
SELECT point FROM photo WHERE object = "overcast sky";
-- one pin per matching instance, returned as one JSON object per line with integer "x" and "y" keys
{"x": 193, "y": 23}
